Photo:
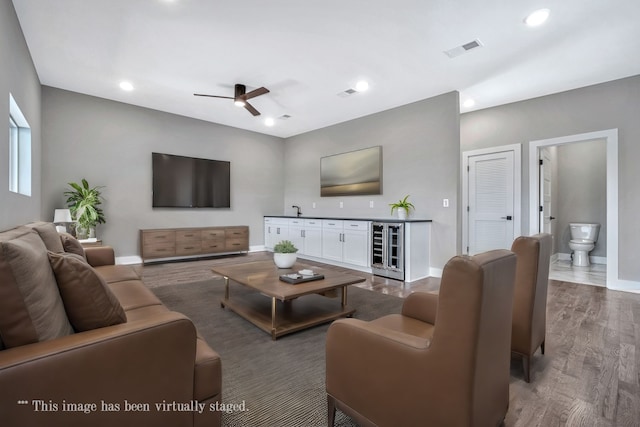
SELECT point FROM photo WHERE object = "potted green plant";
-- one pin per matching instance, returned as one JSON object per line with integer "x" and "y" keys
{"x": 284, "y": 254}
{"x": 84, "y": 203}
{"x": 402, "y": 206}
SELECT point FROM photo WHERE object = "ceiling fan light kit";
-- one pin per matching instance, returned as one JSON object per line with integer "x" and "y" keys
{"x": 241, "y": 96}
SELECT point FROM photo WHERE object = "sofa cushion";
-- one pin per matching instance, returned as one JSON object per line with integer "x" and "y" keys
{"x": 31, "y": 309}
{"x": 117, "y": 273}
{"x": 71, "y": 245}
{"x": 88, "y": 301}
{"x": 49, "y": 235}
{"x": 133, "y": 294}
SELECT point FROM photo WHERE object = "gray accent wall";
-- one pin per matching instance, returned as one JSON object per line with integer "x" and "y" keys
{"x": 19, "y": 78}
{"x": 110, "y": 144}
{"x": 612, "y": 105}
{"x": 420, "y": 157}
{"x": 582, "y": 191}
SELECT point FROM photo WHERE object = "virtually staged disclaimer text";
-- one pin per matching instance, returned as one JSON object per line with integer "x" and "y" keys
{"x": 126, "y": 406}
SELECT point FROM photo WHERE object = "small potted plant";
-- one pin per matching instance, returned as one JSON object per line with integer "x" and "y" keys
{"x": 84, "y": 203}
{"x": 284, "y": 254}
{"x": 402, "y": 206}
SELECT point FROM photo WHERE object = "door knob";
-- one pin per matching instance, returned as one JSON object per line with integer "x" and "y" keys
{"x": 508, "y": 217}
{"x": 552, "y": 217}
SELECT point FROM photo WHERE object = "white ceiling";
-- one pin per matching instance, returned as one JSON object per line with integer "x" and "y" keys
{"x": 306, "y": 52}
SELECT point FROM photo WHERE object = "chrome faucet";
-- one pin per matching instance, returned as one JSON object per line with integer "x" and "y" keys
{"x": 298, "y": 208}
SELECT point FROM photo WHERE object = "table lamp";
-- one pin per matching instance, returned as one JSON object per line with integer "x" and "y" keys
{"x": 61, "y": 218}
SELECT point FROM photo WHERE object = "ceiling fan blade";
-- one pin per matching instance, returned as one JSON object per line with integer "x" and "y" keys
{"x": 213, "y": 96}
{"x": 256, "y": 92}
{"x": 250, "y": 108}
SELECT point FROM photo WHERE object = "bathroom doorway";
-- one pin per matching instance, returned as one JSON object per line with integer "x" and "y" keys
{"x": 535, "y": 200}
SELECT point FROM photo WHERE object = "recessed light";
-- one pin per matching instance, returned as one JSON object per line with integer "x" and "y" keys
{"x": 362, "y": 86}
{"x": 468, "y": 103}
{"x": 537, "y": 18}
{"x": 126, "y": 86}
{"x": 269, "y": 121}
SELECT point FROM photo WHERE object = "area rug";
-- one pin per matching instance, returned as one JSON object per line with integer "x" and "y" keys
{"x": 279, "y": 383}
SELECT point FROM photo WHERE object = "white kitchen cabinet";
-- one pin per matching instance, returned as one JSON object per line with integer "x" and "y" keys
{"x": 313, "y": 237}
{"x": 355, "y": 239}
{"x": 332, "y": 239}
{"x": 346, "y": 241}
{"x": 275, "y": 230}
{"x": 296, "y": 233}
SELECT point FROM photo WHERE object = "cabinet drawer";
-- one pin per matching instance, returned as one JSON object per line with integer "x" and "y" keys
{"x": 153, "y": 237}
{"x": 234, "y": 245}
{"x": 332, "y": 223}
{"x": 159, "y": 250}
{"x": 187, "y": 235}
{"x": 356, "y": 225}
{"x": 312, "y": 223}
{"x": 296, "y": 222}
{"x": 212, "y": 233}
{"x": 188, "y": 248}
{"x": 212, "y": 245}
{"x": 236, "y": 233}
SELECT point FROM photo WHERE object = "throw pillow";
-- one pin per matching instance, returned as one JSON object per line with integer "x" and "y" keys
{"x": 31, "y": 309}
{"x": 48, "y": 234}
{"x": 90, "y": 304}
{"x": 71, "y": 245}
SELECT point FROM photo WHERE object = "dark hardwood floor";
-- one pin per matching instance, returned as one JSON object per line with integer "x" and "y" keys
{"x": 589, "y": 375}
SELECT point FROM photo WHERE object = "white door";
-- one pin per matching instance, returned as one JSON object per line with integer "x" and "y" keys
{"x": 491, "y": 201}
{"x": 546, "y": 165}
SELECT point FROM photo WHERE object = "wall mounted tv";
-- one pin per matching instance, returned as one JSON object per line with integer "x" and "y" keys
{"x": 187, "y": 182}
{"x": 353, "y": 173}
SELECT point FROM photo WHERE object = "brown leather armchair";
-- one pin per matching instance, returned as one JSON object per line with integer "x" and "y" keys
{"x": 443, "y": 361}
{"x": 530, "y": 297}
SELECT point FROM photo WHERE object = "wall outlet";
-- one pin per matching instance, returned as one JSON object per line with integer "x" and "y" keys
{"x": 370, "y": 203}
{"x": 445, "y": 203}
{"x": 313, "y": 205}
{"x": 341, "y": 205}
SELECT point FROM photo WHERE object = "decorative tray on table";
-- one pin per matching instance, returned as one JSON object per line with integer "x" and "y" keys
{"x": 301, "y": 277}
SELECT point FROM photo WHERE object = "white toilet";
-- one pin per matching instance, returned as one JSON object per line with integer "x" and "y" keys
{"x": 583, "y": 240}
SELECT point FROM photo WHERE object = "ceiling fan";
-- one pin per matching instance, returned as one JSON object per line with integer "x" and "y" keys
{"x": 241, "y": 97}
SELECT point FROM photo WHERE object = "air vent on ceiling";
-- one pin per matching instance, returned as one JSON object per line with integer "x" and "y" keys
{"x": 284, "y": 117}
{"x": 457, "y": 51}
{"x": 347, "y": 92}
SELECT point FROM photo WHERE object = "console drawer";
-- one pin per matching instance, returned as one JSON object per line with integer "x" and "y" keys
{"x": 234, "y": 245}
{"x": 211, "y": 245}
{"x": 153, "y": 237}
{"x": 187, "y": 235}
{"x": 188, "y": 248}
{"x": 160, "y": 250}
{"x": 213, "y": 233}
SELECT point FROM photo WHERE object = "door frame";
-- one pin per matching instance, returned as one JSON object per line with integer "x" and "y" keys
{"x": 611, "y": 138}
{"x": 517, "y": 188}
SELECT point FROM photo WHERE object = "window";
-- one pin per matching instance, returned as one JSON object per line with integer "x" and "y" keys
{"x": 19, "y": 150}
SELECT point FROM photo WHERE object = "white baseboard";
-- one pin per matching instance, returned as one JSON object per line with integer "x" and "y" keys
{"x": 435, "y": 272}
{"x": 126, "y": 260}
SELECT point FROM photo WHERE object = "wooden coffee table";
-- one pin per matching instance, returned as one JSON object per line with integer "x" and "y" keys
{"x": 292, "y": 307}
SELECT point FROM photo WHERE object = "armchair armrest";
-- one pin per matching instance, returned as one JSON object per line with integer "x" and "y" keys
{"x": 421, "y": 306}
{"x": 144, "y": 362}
{"x": 100, "y": 255}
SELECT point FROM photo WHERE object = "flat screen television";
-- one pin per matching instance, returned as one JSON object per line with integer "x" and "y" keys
{"x": 353, "y": 173}
{"x": 188, "y": 182}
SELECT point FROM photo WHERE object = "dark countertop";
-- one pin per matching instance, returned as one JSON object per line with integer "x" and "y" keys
{"x": 351, "y": 219}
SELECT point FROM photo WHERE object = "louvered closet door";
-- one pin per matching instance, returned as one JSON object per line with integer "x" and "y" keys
{"x": 491, "y": 198}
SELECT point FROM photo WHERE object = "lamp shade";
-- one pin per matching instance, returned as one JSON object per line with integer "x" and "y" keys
{"x": 62, "y": 215}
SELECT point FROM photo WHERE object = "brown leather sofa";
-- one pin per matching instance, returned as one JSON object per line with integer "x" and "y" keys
{"x": 67, "y": 344}
{"x": 530, "y": 297}
{"x": 444, "y": 361}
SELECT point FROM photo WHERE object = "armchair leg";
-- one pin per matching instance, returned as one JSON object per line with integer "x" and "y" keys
{"x": 525, "y": 368}
{"x": 542, "y": 347}
{"x": 331, "y": 411}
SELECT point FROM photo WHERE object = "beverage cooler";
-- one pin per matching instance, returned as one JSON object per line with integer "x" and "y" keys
{"x": 387, "y": 250}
